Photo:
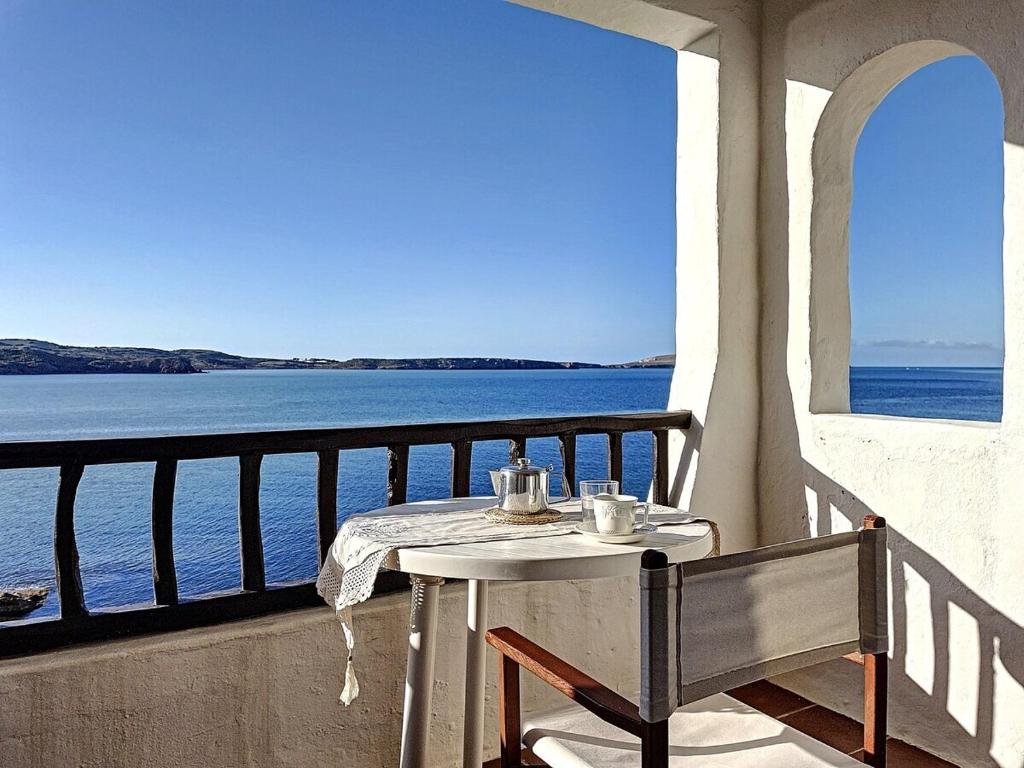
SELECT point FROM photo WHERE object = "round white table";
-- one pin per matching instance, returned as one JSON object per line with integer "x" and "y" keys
{"x": 552, "y": 558}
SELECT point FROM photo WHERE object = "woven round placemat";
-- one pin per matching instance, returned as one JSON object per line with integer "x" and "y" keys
{"x": 496, "y": 515}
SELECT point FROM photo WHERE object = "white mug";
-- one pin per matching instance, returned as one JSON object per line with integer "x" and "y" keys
{"x": 616, "y": 514}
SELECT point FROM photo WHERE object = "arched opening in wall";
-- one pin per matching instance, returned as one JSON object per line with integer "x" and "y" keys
{"x": 925, "y": 248}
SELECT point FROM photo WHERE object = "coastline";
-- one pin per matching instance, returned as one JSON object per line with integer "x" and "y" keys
{"x": 31, "y": 357}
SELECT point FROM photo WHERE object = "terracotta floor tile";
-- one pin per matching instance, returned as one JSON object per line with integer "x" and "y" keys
{"x": 770, "y": 699}
{"x": 528, "y": 758}
{"x": 838, "y": 731}
{"x": 902, "y": 755}
{"x": 834, "y": 729}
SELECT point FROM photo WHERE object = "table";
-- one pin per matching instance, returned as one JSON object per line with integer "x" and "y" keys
{"x": 554, "y": 558}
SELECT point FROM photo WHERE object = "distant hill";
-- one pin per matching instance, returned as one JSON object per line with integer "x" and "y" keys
{"x": 658, "y": 361}
{"x": 29, "y": 356}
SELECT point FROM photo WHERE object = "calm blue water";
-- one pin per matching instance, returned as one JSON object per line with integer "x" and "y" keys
{"x": 112, "y": 518}
{"x": 113, "y": 509}
{"x": 974, "y": 394}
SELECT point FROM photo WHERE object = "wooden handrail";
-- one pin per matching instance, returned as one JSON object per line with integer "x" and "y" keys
{"x": 123, "y": 450}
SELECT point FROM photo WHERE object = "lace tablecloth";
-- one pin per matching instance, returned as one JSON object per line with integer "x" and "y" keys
{"x": 365, "y": 541}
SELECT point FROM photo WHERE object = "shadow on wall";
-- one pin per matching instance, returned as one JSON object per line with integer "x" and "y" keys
{"x": 691, "y": 447}
{"x": 1000, "y": 640}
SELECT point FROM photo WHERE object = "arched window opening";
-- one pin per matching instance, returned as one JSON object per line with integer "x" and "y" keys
{"x": 925, "y": 248}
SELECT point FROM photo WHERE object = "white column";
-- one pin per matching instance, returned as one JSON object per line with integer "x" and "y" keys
{"x": 476, "y": 675}
{"x": 419, "y": 674}
{"x": 717, "y": 300}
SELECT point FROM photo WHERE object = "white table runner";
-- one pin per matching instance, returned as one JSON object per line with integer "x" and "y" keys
{"x": 365, "y": 541}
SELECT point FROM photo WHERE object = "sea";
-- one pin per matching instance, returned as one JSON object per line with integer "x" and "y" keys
{"x": 113, "y": 504}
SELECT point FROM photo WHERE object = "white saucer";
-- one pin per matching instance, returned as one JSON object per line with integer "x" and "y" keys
{"x": 590, "y": 531}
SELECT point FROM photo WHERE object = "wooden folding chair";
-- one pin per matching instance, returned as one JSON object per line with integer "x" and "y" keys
{"x": 706, "y": 627}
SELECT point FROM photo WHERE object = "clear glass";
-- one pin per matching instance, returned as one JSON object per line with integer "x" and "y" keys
{"x": 591, "y": 488}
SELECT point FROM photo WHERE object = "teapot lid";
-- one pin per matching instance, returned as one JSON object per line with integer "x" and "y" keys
{"x": 523, "y": 467}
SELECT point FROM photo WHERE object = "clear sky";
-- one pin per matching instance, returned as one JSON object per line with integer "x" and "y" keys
{"x": 926, "y": 227}
{"x": 396, "y": 178}
{"x": 421, "y": 178}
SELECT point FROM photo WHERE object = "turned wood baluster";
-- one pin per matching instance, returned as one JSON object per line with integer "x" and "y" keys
{"x": 567, "y": 446}
{"x": 398, "y": 474}
{"x": 326, "y": 501}
{"x": 615, "y": 456}
{"x": 65, "y": 550}
{"x": 660, "y": 466}
{"x": 516, "y": 449}
{"x": 462, "y": 461}
{"x": 165, "y": 578}
{"x": 249, "y": 532}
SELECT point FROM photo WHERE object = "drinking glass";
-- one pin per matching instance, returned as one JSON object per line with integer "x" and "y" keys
{"x": 591, "y": 488}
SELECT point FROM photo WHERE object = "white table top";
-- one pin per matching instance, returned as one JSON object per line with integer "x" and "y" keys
{"x": 552, "y": 558}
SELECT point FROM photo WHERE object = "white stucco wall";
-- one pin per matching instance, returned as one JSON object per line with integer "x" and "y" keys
{"x": 951, "y": 491}
{"x": 264, "y": 692}
{"x": 717, "y": 294}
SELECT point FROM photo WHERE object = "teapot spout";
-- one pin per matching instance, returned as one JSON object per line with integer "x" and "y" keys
{"x": 496, "y": 481}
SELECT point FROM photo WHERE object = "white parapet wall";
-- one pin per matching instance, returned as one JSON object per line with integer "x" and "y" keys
{"x": 951, "y": 491}
{"x": 264, "y": 692}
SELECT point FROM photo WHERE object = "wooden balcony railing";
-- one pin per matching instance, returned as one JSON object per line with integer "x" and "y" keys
{"x": 78, "y": 625}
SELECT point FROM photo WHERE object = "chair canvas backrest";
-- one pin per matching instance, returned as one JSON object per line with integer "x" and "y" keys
{"x": 711, "y": 625}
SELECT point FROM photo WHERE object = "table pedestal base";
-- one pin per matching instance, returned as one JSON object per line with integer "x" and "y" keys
{"x": 419, "y": 675}
{"x": 476, "y": 675}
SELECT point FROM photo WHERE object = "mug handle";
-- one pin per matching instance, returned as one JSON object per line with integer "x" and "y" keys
{"x": 647, "y": 512}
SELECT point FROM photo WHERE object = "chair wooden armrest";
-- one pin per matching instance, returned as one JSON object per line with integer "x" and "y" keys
{"x": 517, "y": 651}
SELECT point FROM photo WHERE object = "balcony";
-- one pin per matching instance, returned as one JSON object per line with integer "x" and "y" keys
{"x": 256, "y": 672}
{"x": 77, "y": 624}
{"x": 231, "y": 661}
{"x": 772, "y": 98}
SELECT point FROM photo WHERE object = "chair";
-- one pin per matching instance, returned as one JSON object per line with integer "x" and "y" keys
{"x": 706, "y": 627}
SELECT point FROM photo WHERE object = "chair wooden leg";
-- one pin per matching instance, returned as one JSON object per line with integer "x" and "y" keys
{"x": 654, "y": 744}
{"x": 876, "y": 690}
{"x": 510, "y": 725}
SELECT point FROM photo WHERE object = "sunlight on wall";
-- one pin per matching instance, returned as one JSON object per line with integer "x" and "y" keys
{"x": 965, "y": 644}
{"x": 805, "y": 104}
{"x": 920, "y": 661}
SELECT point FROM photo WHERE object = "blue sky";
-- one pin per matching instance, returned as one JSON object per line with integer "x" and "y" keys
{"x": 397, "y": 178}
{"x": 926, "y": 226}
{"x": 443, "y": 177}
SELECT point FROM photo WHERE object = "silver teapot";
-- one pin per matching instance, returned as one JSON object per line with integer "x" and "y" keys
{"x": 523, "y": 489}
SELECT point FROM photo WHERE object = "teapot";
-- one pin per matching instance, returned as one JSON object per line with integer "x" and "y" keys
{"x": 522, "y": 488}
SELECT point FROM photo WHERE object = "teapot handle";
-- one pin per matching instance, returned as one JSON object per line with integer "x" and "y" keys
{"x": 565, "y": 490}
